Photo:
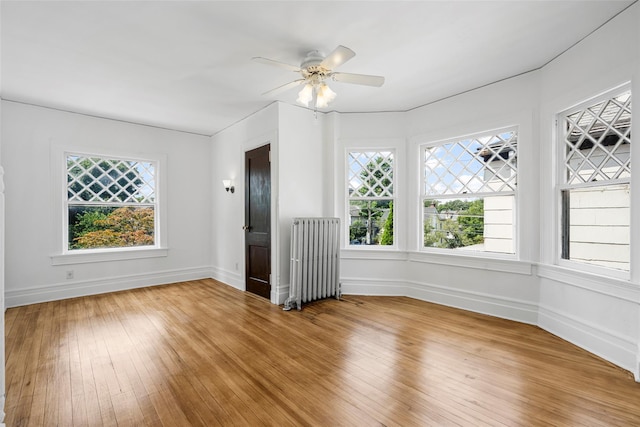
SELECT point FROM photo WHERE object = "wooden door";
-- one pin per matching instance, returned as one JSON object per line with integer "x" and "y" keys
{"x": 257, "y": 229}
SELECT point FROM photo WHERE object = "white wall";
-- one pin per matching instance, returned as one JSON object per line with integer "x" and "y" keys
{"x": 297, "y": 187}
{"x": 510, "y": 102}
{"x": 598, "y": 313}
{"x": 635, "y": 232}
{"x": 301, "y": 179}
{"x": 28, "y": 135}
{"x": 2, "y": 297}
{"x": 227, "y": 210}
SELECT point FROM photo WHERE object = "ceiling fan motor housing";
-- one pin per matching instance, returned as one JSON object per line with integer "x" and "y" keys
{"x": 311, "y": 68}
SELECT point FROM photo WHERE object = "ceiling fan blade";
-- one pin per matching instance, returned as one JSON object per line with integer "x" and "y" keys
{"x": 284, "y": 87}
{"x": 268, "y": 61}
{"x": 359, "y": 79}
{"x": 339, "y": 56}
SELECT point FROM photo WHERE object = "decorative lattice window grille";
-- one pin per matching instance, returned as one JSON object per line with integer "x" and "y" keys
{"x": 597, "y": 139}
{"x": 110, "y": 202}
{"x": 370, "y": 197}
{"x": 94, "y": 179}
{"x": 475, "y": 165}
{"x": 370, "y": 174}
{"x": 594, "y": 181}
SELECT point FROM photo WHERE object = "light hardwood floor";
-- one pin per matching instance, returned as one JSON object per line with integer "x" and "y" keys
{"x": 204, "y": 354}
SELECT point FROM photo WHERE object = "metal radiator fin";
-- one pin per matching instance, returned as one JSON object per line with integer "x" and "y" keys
{"x": 315, "y": 260}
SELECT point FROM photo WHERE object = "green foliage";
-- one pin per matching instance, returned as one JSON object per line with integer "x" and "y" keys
{"x": 365, "y": 229}
{"x": 432, "y": 236}
{"x": 472, "y": 223}
{"x": 83, "y": 220}
{"x": 357, "y": 231}
{"x": 450, "y": 205}
{"x": 387, "y": 233}
{"x": 466, "y": 229}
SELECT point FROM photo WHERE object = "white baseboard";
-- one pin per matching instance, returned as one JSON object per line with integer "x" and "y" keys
{"x": 78, "y": 288}
{"x": 521, "y": 311}
{"x": 617, "y": 349}
{"x": 2, "y": 413}
{"x": 236, "y": 280}
{"x": 374, "y": 287}
{"x": 492, "y": 305}
{"x": 228, "y": 277}
{"x": 280, "y": 294}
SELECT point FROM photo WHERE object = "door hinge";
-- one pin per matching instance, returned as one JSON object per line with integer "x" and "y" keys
{"x": 269, "y": 156}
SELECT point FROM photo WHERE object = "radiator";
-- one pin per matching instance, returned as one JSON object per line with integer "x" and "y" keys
{"x": 315, "y": 260}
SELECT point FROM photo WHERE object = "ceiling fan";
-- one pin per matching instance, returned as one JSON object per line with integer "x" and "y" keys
{"x": 315, "y": 69}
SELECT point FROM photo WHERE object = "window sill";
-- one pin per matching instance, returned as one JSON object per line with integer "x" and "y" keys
{"x": 373, "y": 252}
{"x": 504, "y": 264}
{"x": 612, "y": 286}
{"x": 481, "y": 261}
{"x": 107, "y": 255}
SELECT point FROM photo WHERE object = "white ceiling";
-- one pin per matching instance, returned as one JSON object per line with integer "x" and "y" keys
{"x": 187, "y": 65}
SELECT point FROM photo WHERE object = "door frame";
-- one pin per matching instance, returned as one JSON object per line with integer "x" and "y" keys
{"x": 251, "y": 144}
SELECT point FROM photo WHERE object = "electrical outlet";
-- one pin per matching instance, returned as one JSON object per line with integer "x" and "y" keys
{"x": 69, "y": 274}
{"x": 236, "y": 266}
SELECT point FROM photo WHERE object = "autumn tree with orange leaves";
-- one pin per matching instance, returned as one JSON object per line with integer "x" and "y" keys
{"x": 122, "y": 227}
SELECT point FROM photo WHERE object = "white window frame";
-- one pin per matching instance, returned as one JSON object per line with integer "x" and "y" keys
{"x": 561, "y": 185}
{"x": 422, "y": 197}
{"x": 61, "y": 254}
{"x": 394, "y": 198}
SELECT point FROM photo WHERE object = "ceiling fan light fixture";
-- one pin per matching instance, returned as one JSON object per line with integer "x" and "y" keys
{"x": 324, "y": 96}
{"x": 314, "y": 70}
{"x": 305, "y": 95}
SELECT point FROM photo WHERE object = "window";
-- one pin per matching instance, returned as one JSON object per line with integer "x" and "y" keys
{"x": 595, "y": 173}
{"x": 469, "y": 191}
{"x": 110, "y": 203}
{"x": 370, "y": 180}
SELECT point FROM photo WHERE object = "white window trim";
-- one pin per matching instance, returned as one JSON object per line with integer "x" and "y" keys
{"x": 462, "y": 254}
{"x": 347, "y": 206}
{"x": 60, "y": 254}
{"x": 560, "y": 185}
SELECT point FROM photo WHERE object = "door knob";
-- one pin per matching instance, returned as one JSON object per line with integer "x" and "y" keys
{"x": 246, "y": 227}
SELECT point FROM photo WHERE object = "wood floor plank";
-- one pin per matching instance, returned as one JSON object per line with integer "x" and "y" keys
{"x": 203, "y": 353}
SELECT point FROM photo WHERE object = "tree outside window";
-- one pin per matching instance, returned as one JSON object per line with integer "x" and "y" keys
{"x": 371, "y": 217}
{"x": 454, "y": 223}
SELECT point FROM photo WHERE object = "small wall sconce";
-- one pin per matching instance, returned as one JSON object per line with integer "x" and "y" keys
{"x": 228, "y": 186}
